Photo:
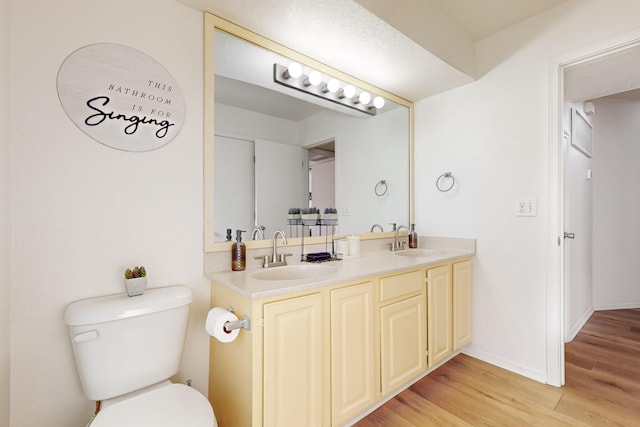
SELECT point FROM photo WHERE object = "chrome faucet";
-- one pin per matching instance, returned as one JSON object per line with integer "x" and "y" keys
{"x": 259, "y": 231}
{"x": 276, "y": 260}
{"x": 376, "y": 226}
{"x": 397, "y": 245}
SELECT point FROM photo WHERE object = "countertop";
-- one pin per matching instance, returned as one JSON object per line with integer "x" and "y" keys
{"x": 368, "y": 264}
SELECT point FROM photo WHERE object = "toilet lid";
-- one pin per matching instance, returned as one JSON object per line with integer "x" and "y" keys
{"x": 169, "y": 406}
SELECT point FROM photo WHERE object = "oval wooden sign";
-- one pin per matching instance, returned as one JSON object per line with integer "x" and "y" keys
{"x": 120, "y": 97}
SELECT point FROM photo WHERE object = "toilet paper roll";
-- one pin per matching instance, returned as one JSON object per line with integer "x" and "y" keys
{"x": 216, "y": 320}
{"x": 354, "y": 245}
{"x": 342, "y": 247}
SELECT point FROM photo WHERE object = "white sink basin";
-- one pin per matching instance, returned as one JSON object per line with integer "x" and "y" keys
{"x": 419, "y": 253}
{"x": 294, "y": 272}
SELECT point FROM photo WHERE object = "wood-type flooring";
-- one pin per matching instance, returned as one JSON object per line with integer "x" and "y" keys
{"x": 602, "y": 386}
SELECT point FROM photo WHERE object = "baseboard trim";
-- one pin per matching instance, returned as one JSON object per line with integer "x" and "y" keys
{"x": 617, "y": 306}
{"x": 533, "y": 374}
{"x": 571, "y": 334}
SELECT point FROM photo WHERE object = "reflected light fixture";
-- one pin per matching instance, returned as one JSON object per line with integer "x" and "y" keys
{"x": 363, "y": 98}
{"x": 293, "y": 76}
{"x": 347, "y": 92}
{"x": 332, "y": 85}
{"x": 378, "y": 102}
{"x": 314, "y": 79}
{"x": 293, "y": 71}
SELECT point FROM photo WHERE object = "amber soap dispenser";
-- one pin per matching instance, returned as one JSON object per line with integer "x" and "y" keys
{"x": 413, "y": 237}
{"x": 238, "y": 253}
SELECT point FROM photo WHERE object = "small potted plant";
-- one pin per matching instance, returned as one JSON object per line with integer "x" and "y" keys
{"x": 310, "y": 216}
{"x": 330, "y": 216}
{"x": 135, "y": 281}
{"x": 294, "y": 216}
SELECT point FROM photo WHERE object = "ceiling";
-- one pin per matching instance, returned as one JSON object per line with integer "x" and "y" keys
{"x": 615, "y": 73}
{"x": 482, "y": 18}
{"x": 412, "y": 48}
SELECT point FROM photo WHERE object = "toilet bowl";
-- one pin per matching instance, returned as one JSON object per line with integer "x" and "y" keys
{"x": 165, "y": 405}
{"x": 126, "y": 349}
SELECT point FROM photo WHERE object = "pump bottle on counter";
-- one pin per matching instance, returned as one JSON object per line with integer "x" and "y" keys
{"x": 413, "y": 237}
{"x": 238, "y": 253}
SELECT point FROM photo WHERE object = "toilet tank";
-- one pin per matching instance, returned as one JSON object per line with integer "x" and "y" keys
{"x": 122, "y": 344}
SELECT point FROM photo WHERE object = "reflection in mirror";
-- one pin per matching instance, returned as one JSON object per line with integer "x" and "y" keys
{"x": 277, "y": 148}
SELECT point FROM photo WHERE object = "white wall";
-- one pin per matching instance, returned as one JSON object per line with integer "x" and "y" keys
{"x": 493, "y": 135}
{"x": 5, "y": 209}
{"x": 83, "y": 211}
{"x": 616, "y": 203}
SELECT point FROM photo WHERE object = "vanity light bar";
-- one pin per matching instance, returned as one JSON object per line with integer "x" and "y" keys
{"x": 330, "y": 90}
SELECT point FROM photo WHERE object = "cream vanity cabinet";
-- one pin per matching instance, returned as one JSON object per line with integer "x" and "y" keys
{"x": 402, "y": 329}
{"x": 278, "y": 373}
{"x": 462, "y": 281}
{"x": 448, "y": 309}
{"x": 293, "y": 362}
{"x": 355, "y": 370}
{"x": 324, "y": 356}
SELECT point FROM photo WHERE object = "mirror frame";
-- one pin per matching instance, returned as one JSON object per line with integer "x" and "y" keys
{"x": 213, "y": 23}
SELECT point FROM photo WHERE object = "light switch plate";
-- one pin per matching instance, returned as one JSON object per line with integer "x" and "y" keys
{"x": 526, "y": 207}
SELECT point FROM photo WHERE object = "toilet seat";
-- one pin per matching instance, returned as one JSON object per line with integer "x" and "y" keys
{"x": 167, "y": 406}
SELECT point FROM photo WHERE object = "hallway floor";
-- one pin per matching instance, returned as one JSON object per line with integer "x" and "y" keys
{"x": 602, "y": 386}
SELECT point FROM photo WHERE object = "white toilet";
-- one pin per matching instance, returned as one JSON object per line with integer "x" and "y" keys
{"x": 126, "y": 349}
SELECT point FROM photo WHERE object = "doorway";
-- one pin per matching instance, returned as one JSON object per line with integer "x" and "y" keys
{"x": 588, "y": 60}
{"x": 322, "y": 181}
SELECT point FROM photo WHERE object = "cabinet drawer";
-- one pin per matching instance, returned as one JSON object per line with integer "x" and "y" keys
{"x": 400, "y": 285}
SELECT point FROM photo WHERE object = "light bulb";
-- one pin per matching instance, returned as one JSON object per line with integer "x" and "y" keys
{"x": 293, "y": 71}
{"x": 314, "y": 78}
{"x": 364, "y": 97}
{"x": 378, "y": 102}
{"x": 332, "y": 86}
{"x": 347, "y": 92}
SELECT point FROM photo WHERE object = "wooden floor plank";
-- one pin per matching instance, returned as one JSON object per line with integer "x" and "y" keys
{"x": 602, "y": 386}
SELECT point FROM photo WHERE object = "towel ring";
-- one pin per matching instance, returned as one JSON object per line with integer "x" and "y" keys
{"x": 381, "y": 188}
{"x": 441, "y": 178}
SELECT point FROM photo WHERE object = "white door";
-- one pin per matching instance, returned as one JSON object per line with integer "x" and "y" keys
{"x": 233, "y": 199}
{"x": 282, "y": 184}
{"x": 577, "y": 240}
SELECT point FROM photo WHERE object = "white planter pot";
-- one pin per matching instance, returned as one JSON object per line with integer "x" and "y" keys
{"x": 293, "y": 218}
{"x": 309, "y": 219}
{"x": 330, "y": 219}
{"x": 135, "y": 286}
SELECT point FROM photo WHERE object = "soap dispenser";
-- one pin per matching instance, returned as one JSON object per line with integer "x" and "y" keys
{"x": 413, "y": 237}
{"x": 238, "y": 253}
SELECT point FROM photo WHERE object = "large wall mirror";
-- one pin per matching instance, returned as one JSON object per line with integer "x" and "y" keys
{"x": 269, "y": 147}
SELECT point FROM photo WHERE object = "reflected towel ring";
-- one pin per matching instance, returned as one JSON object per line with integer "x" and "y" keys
{"x": 439, "y": 185}
{"x": 381, "y": 188}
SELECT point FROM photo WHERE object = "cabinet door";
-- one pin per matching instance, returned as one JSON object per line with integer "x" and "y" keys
{"x": 402, "y": 341}
{"x": 293, "y": 362}
{"x": 354, "y": 385}
{"x": 461, "y": 304}
{"x": 439, "y": 313}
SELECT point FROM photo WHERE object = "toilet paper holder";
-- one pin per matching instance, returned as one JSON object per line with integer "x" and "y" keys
{"x": 245, "y": 322}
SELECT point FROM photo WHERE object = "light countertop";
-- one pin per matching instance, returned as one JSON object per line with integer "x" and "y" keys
{"x": 368, "y": 264}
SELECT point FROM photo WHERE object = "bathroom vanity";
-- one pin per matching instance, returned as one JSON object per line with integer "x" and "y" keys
{"x": 327, "y": 346}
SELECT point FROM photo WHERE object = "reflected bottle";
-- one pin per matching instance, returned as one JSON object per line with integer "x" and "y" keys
{"x": 413, "y": 237}
{"x": 238, "y": 253}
